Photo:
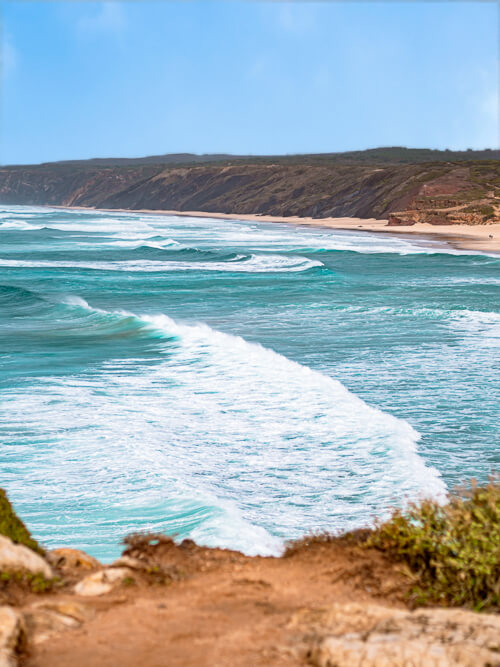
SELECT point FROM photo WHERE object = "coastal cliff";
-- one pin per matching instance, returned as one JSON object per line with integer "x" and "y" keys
{"x": 371, "y": 184}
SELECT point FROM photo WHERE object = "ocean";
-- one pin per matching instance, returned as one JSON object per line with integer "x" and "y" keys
{"x": 237, "y": 383}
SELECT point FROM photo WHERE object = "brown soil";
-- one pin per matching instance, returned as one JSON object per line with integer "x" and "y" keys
{"x": 220, "y": 607}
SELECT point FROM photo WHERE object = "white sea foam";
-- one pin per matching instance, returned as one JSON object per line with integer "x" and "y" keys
{"x": 213, "y": 232}
{"x": 221, "y": 439}
{"x": 481, "y": 328}
{"x": 132, "y": 244}
{"x": 73, "y": 300}
{"x": 253, "y": 264}
{"x": 19, "y": 225}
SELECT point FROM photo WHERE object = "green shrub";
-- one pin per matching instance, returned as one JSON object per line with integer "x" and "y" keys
{"x": 128, "y": 581}
{"x": 37, "y": 583}
{"x": 453, "y": 549}
{"x": 487, "y": 212}
{"x": 11, "y": 525}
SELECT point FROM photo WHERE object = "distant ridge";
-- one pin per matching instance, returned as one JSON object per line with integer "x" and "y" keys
{"x": 389, "y": 155}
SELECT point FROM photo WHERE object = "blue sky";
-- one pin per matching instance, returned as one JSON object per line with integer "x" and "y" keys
{"x": 85, "y": 79}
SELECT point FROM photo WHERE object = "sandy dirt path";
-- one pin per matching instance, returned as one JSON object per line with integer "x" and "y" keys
{"x": 227, "y": 610}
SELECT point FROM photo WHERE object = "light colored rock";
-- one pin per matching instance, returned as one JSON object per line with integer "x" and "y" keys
{"x": 76, "y": 610}
{"x": 358, "y": 635}
{"x": 48, "y": 617}
{"x": 132, "y": 563}
{"x": 72, "y": 559}
{"x": 18, "y": 558}
{"x": 7, "y": 660}
{"x": 392, "y": 651}
{"x": 43, "y": 623}
{"x": 102, "y": 582}
{"x": 335, "y": 652}
{"x": 12, "y": 636}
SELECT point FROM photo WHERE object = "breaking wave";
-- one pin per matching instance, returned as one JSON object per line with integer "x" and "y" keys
{"x": 220, "y": 439}
{"x": 249, "y": 264}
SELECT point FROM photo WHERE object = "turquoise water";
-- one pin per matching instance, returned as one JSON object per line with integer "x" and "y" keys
{"x": 234, "y": 382}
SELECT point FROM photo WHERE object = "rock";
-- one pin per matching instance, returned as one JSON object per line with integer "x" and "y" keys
{"x": 102, "y": 582}
{"x": 80, "y": 612}
{"x": 132, "y": 563}
{"x": 399, "y": 219}
{"x": 43, "y": 623}
{"x": 7, "y": 659}
{"x": 388, "y": 652}
{"x": 18, "y": 558}
{"x": 394, "y": 220}
{"x": 12, "y": 636}
{"x": 48, "y": 617}
{"x": 72, "y": 559}
{"x": 370, "y": 636}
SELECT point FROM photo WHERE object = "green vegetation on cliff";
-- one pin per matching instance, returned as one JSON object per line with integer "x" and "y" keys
{"x": 11, "y": 525}
{"x": 453, "y": 550}
{"x": 449, "y": 553}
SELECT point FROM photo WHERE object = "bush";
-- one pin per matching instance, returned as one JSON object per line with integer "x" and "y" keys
{"x": 11, "y": 525}
{"x": 36, "y": 583}
{"x": 453, "y": 549}
{"x": 487, "y": 212}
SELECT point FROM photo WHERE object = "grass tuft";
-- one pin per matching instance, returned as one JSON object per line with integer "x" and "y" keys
{"x": 453, "y": 549}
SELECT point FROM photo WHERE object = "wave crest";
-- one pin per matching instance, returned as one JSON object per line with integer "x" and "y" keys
{"x": 251, "y": 264}
{"x": 220, "y": 439}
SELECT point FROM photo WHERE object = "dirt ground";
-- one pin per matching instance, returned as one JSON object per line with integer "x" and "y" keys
{"x": 218, "y": 608}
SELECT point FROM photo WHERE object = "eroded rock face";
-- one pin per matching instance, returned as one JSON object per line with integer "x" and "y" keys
{"x": 129, "y": 562}
{"x": 72, "y": 559}
{"x": 12, "y": 636}
{"x": 102, "y": 582}
{"x": 358, "y": 635}
{"x": 294, "y": 186}
{"x": 18, "y": 558}
{"x": 399, "y": 219}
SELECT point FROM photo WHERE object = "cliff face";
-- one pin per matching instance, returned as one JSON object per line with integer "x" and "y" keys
{"x": 437, "y": 192}
{"x": 61, "y": 186}
{"x": 316, "y": 191}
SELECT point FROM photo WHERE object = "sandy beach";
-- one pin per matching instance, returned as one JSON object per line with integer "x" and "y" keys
{"x": 484, "y": 238}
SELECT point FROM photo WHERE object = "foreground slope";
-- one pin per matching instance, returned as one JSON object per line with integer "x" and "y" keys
{"x": 325, "y": 604}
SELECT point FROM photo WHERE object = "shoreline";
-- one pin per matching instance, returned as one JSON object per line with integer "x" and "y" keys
{"x": 461, "y": 237}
